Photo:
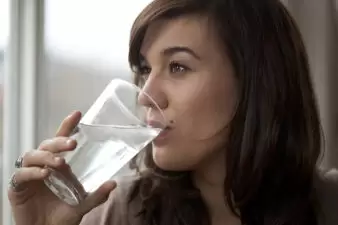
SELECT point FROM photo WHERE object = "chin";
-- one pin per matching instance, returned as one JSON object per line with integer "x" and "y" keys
{"x": 166, "y": 160}
{"x": 161, "y": 160}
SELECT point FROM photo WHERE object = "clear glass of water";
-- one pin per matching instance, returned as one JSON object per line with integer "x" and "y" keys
{"x": 110, "y": 134}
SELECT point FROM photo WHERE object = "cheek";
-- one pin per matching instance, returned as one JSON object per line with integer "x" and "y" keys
{"x": 182, "y": 154}
{"x": 201, "y": 114}
{"x": 205, "y": 113}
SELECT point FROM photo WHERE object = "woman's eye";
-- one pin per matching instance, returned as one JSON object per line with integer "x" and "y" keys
{"x": 178, "y": 68}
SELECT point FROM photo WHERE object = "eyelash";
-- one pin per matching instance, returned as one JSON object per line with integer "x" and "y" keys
{"x": 181, "y": 67}
{"x": 145, "y": 70}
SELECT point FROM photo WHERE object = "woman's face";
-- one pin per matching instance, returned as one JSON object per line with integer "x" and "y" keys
{"x": 189, "y": 75}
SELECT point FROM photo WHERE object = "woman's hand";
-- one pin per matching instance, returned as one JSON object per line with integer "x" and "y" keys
{"x": 31, "y": 201}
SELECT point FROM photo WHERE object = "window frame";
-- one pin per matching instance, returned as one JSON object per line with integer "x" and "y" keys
{"x": 23, "y": 79}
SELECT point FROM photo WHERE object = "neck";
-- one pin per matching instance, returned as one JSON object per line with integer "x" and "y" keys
{"x": 209, "y": 179}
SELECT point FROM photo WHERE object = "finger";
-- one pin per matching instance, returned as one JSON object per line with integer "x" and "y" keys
{"x": 41, "y": 158}
{"x": 58, "y": 144}
{"x": 69, "y": 124}
{"x": 96, "y": 198}
{"x": 27, "y": 174}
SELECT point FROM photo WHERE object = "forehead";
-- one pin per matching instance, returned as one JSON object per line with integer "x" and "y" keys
{"x": 195, "y": 32}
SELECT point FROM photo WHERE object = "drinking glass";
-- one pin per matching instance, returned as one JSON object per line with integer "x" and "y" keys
{"x": 110, "y": 134}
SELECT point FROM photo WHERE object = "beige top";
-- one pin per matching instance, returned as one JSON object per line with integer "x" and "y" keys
{"x": 114, "y": 210}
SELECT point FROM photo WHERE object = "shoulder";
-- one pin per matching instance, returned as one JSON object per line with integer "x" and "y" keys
{"x": 326, "y": 188}
{"x": 115, "y": 210}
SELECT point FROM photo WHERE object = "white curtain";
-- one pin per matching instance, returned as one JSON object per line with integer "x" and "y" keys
{"x": 318, "y": 22}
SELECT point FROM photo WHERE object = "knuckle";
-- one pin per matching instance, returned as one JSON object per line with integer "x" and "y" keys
{"x": 19, "y": 174}
{"x": 37, "y": 157}
{"x": 34, "y": 154}
{"x": 46, "y": 144}
{"x": 24, "y": 175}
{"x": 60, "y": 140}
{"x": 47, "y": 155}
{"x": 36, "y": 171}
{"x": 26, "y": 155}
{"x": 31, "y": 174}
{"x": 39, "y": 154}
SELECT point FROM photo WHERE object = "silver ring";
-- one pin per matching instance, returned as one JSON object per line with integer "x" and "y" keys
{"x": 14, "y": 185}
{"x": 18, "y": 162}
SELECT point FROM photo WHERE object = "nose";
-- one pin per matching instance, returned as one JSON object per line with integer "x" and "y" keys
{"x": 152, "y": 94}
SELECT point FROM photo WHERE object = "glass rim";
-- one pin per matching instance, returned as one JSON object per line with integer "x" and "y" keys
{"x": 109, "y": 91}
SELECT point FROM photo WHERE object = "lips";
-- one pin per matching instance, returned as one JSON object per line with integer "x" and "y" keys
{"x": 157, "y": 124}
{"x": 162, "y": 138}
{"x": 164, "y": 132}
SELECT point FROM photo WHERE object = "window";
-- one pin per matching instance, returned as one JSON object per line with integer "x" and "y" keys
{"x": 86, "y": 45}
{"x": 4, "y": 30}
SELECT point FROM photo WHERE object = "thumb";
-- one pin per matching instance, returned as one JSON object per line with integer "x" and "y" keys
{"x": 96, "y": 198}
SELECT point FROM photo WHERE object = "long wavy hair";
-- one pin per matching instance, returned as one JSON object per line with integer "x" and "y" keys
{"x": 275, "y": 137}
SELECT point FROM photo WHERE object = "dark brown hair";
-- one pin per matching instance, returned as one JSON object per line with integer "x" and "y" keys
{"x": 275, "y": 136}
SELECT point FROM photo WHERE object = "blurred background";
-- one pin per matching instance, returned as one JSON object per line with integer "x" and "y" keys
{"x": 57, "y": 56}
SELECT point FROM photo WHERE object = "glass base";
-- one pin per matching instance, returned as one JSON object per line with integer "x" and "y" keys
{"x": 63, "y": 188}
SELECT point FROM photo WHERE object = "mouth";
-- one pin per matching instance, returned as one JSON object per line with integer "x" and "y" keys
{"x": 162, "y": 137}
{"x": 165, "y": 130}
{"x": 158, "y": 124}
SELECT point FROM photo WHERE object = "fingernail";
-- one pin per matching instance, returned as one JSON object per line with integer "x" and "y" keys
{"x": 57, "y": 159}
{"x": 44, "y": 171}
{"x": 111, "y": 184}
{"x": 69, "y": 142}
{"x": 72, "y": 114}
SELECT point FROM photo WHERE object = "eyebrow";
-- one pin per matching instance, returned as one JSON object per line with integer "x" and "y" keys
{"x": 178, "y": 49}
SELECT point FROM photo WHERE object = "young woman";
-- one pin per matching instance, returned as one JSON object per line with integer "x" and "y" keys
{"x": 233, "y": 78}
